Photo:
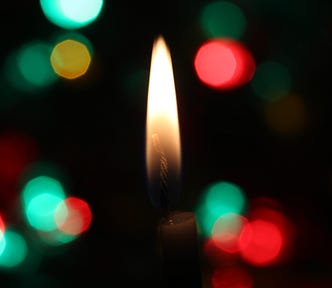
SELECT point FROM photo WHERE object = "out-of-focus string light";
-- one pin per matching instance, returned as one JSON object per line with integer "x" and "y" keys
{"x": 71, "y": 14}
{"x": 224, "y": 64}
{"x": 70, "y": 58}
{"x": 55, "y": 237}
{"x": 28, "y": 68}
{"x": 2, "y": 225}
{"x": 17, "y": 151}
{"x": 14, "y": 251}
{"x": 219, "y": 198}
{"x": 227, "y": 230}
{"x": 2, "y": 241}
{"x": 287, "y": 116}
{"x": 231, "y": 277}
{"x": 222, "y": 19}
{"x": 266, "y": 239}
{"x": 261, "y": 242}
{"x": 40, "y": 197}
{"x": 272, "y": 80}
{"x": 73, "y": 216}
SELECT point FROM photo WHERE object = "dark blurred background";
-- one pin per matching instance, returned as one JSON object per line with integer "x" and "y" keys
{"x": 91, "y": 129}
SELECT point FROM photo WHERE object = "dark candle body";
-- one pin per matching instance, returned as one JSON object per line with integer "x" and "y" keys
{"x": 179, "y": 250}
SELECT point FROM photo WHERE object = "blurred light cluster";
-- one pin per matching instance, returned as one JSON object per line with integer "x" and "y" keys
{"x": 57, "y": 218}
{"x": 34, "y": 66}
{"x": 237, "y": 232}
{"x": 223, "y": 62}
{"x": 35, "y": 209}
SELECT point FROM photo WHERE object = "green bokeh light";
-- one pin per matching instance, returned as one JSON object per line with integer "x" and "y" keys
{"x": 2, "y": 242}
{"x": 41, "y": 185}
{"x": 223, "y": 19}
{"x": 34, "y": 64}
{"x": 28, "y": 69}
{"x": 40, "y": 211}
{"x": 271, "y": 81}
{"x": 40, "y": 196}
{"x": 15, "y": 250}
{"x": 71, "y": 14}
{"x": 219, "y": 199}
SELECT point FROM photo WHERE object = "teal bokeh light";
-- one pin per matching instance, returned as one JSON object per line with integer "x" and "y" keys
{"x": 15, "y": 250}
{"x": 2, "y": 242}
{"x": 71, "y": 14}
{"x": 34, "y": 63}
{"x": 218, "y": 199}
{"x": 41, "y": 210}
{"x": 40, "y": 197}
{"x": 29, "y": 69}
{"x": 271, "y": 81}
{"x": 222, "y": 19}
{"x": 41, "y": 185}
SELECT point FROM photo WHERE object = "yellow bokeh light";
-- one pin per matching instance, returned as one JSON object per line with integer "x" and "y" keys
{"x": 70, "y": 59}
{"x": 287, "y": 116}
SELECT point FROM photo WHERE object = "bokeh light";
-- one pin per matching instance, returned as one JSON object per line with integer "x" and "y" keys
{"x": 34, "y": 64}
{"x": 222, "y": 19}
{"x": 28, "y": 68}
{"x": 226, "y": 231}
{"x": 70, "y": 58}
{"x": 224, "y": 64}
{"x": 17, "y": 151}
{"x": 2, "y": 241}
{"x": 71, "y": 14}
{"x": 270, "y": 210}
{"x": 55, "y": 237}
{"x": 44, "y": 168}
{"x": 40, "y": 197}
{"x": 41, "y": 209}
{"x": 41, "y": 185}
{"x": 271, "y": 81}
{"x": 218, "y": 199}
{"x": 287, "y": 116}
{"x": 15, "y": 250}
{"x": 231, "y": 277}
{"x": 73, "y": 216}
{"x": 2, "y": 225}
{"x": 260, "y": 242}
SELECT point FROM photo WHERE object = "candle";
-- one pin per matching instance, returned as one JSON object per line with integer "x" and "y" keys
{"x": 177, "y": 233}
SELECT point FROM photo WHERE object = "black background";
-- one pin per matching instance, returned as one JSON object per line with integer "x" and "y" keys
{"x": 93, "y": 129}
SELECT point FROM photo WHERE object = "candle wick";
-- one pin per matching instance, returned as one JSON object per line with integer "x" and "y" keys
{"x": 163, "y": 172}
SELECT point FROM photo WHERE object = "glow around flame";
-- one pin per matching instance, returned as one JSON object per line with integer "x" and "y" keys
{"x": 163, "y": 147}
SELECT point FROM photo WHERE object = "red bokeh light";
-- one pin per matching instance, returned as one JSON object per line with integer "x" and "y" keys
{"x": 231, "y": 277}
{"x": 77, "y": 217}
{"x": 17, "y": 150}
{"x": 270, "y": 210}
{"x": 2, "y": 225}
{"x": 261, "y": 242}
{"x": 224, "y": 64}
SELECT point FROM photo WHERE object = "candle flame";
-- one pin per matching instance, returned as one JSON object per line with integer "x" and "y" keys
{"x": 163, "y": 147}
